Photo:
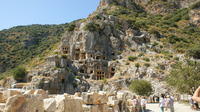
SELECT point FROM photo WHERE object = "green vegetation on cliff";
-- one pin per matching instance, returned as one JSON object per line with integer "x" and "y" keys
{"x": 173, "y": 29}
{"x": 22, "y": 43}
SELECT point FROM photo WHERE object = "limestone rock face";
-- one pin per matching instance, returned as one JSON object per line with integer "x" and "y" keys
{"x": 195, "y": 16}
{"x": 95, "y": 42}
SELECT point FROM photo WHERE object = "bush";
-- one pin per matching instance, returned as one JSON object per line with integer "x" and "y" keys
{"x": 141, "y": 54}
{"x": 19, "y": 73}
{"x": 147, "y": 64}
{"x": 137, "y": 65}
{"x": 194, "y": 52}
{"x": 196, "y": 5}
{"x": 92, "y": 27}
{"x": 64, "y": 56}
{"x": 146, "y": 59}
{"x": 132, "y": 58}
{"x": 141, "y": 87}
{"x": 71, "y": 27}
{"x": 184, "y": 76}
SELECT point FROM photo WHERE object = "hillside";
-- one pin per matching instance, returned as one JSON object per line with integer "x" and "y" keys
{"x": 120, "y": 41}
{"x": 125, "y": 48}
{"x": 22, "y": 43}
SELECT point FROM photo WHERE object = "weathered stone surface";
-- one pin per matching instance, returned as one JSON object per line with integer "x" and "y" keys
{"x": 49, "y": 105}
{"x": 2, "y": 106}
{"x": 29, "y": 92}
{"x": 112, "y": 101}
{"x": 94, "y": 98}
{"x": 25, "y": 103}
{"x": 195, "y": 16}
{"x": 41, "y": 92}
{"x": 60, "y": 103}
{"x": 15, "y": 103}
{"x": 10, "y": 92}
{"x": 73, "y": 104}
{"x": 2, "y": 100}
{"x": 33, "y": 103}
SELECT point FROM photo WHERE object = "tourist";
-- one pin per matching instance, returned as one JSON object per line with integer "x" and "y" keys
{"x": 196, "y": 98}
{"x": 162, "y": 103}
{"x": 191, "y": 102}
{"x": 196, "y": 94}
{"x": 170, "y": 103}
{"x": 139, "y": 104}
{"x": 135, "y": 104}
{"x": 143, "y": 104}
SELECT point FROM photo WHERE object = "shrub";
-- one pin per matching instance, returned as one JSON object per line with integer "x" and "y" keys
{"x": 141, "y": 54}
{"x": 132, "y": 58}
{"x": 146, "y": 59}
{"x": 71, "y": 27}
{"x": 64, "y": 56}
{"x": 137, "y": 65}
{"x": 194, "y": 52}
{"x": 19, "y": 73}
{"x": 196, "y": 5}
{"x": 141, "y": 87}
{"x": 147, "y": 64}
{"x": 92, "y": 27}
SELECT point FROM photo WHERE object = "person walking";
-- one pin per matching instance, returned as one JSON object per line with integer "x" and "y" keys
{"x": 135, "y": 104}
{"x": 170, "y": 103}
{"x": 162, "y": 103}
{"x": 143, "y": 104}
{"x": 196, "y": 98}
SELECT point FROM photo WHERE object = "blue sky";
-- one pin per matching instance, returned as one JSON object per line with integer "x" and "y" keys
{"x": 26, "y": 12}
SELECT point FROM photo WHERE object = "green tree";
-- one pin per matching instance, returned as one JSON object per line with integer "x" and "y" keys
{"x": 185, "y": 76}
{"x": 19, "y": 73}
{"x": 141, "y": 87}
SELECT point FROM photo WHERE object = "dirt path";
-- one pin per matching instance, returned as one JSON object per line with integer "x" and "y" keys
{"x": 178, "y": 108}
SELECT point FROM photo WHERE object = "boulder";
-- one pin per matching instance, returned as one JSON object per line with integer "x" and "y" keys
{"x": 2, "y": 106}
{"x": 40, "y": 92}
{"x": 94, "y": 98}
{"x": 49, "y": 105}
{"x": 33, "y": 103}
{"x": 112, "y": 101}
{"x": 15, "y": 103}
{"x": 60, "y": 103}
{"x": 29, "y": 92}
{"x": 73, "y": 104}
{"x": 11, "y": 92}
{"x": 24, "y": 103}
{"x": 2, "y": 100}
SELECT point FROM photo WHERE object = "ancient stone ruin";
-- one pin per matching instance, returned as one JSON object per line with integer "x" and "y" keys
{"x": 17, "y": 100}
